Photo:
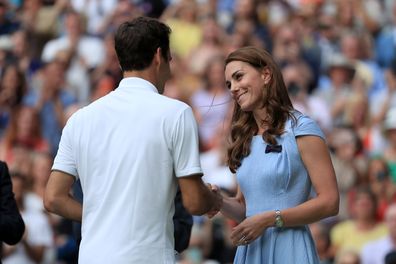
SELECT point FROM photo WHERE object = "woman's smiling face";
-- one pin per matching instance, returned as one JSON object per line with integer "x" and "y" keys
{"x": 246, "y": 84}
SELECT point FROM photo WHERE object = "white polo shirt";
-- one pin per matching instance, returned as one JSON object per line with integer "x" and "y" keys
{"x": 127, "y": 148}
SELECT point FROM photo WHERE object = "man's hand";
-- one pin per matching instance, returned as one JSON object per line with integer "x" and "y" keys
{"x": 217, "y": 200}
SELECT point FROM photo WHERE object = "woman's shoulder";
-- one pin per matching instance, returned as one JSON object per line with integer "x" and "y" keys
{"x": 304, "y": 125}
{"x": 298, "y": 119}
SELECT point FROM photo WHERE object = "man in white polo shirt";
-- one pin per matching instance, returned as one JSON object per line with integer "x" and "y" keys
{"x": 130, "y": 149}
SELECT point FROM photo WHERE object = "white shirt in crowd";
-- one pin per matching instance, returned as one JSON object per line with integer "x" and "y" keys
{"x": 375, "y": 252}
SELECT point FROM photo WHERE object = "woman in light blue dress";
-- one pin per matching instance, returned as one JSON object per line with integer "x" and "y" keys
{"x": 278, "y": 154}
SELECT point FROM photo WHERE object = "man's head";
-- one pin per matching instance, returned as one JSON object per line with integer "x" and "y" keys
{"x": 140, "y": 43}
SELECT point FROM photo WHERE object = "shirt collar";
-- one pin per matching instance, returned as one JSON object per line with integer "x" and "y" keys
{"x": 136, "y": 83}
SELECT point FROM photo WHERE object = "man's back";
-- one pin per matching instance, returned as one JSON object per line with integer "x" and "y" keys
{"x": 125, "y": 146}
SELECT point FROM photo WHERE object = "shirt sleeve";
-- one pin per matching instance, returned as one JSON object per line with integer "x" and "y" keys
{"x": 65, "y": 159}
{"x": 185, "y": 145}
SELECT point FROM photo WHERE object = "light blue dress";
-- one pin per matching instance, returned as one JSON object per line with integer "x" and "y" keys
{"x": 278, "y": 181}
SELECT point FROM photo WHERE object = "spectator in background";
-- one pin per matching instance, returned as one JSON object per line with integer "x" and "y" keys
{"x": 214, "y": 162}
{"x": 288, "y": 48}
{"x": 340, "y": 74}
{"x": 297, "y": 81}
{"x": 12, "y": 226}
{"x": 108, "y": 74}
{"x": 327, "y": 38}
{"x": 25, "y": 132}
{"x": 358, "y": 15}
{"x": 321, "y": 236}
{"x": 357, "y": 47}
{"x": 40, "y": 20}
{"x": 388, "y": 97}
{"x": 123, "y": 11}
{"x": 357, "y": 115}
{"x": 304, "y": 24}
{"x": 37, "y": 244}
{"x": 80, "y": 53}
{"x": 347, "y": 257}
{"x": 96, "y": 13}
{"x": 12, "y": 90}
{"x": 246, "y": 22}
{"x": 390, "y": 134}
{"x": 381, "y": 184}
{"x": 22, "y": 55}
{"x": 374, "y": 252}
{"x": 211, "y": 103}
{"x": 182, "y": 17}
{"x": 40, "y": 171}
{"x": 385, "y": 43}
{"x": 8, "y": 24}
{"x": 211, "y": 46}
{"x": 353, "y": 234}
{"x": 50, "y": 98}
{"x": 345, "y": 146}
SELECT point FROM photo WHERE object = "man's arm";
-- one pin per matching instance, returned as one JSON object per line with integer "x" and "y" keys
{"x": 12, "y": 226}
{"x": 57, "y": 198}
{"x": 198, "y": 199}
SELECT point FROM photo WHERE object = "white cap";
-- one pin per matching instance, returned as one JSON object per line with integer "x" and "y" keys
{"x": 5, "y": 42}
{"x": 390, "y": 119}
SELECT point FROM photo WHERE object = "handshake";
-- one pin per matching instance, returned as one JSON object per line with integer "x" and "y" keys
{"x": 216, "y": 200}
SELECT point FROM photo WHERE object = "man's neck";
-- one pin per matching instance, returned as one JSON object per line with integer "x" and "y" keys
{"x": 146, "y": 75}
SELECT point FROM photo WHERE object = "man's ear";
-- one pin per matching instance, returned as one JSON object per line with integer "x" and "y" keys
{"x": 266, "y": 75}
{"x": 157, "y": 57}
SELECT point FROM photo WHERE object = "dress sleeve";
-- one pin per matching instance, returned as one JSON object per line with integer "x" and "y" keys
{"x": 307, "y": 127}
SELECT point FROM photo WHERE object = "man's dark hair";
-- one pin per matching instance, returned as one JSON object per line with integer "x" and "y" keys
{"x": 136, "y": 42}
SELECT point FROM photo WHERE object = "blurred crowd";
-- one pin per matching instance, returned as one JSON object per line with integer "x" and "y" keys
{"x": 338, "y": 59}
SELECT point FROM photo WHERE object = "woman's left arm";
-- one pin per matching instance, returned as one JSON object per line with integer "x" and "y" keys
{"x": 316, "y": 158}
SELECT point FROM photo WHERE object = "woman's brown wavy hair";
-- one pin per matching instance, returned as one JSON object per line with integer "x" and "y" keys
{"x": 275, "y": 99}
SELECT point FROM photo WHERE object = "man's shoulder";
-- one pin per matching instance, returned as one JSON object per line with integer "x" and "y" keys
{"x": 168, "y": 104}
{"x": 175, "y": 103}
